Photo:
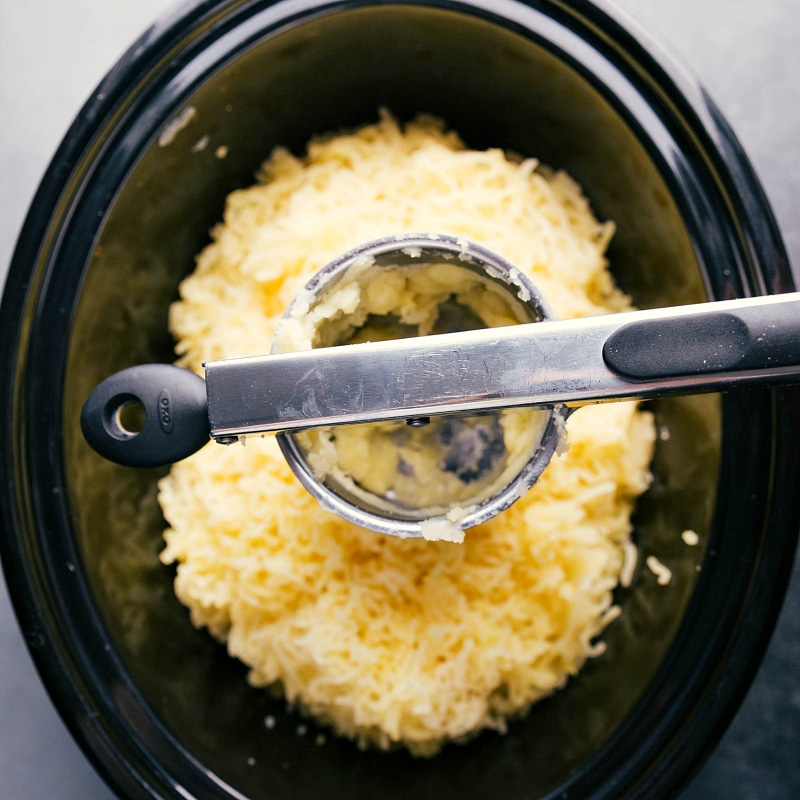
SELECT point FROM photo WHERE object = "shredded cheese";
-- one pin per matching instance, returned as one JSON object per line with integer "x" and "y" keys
{"x": 400, "y": 642}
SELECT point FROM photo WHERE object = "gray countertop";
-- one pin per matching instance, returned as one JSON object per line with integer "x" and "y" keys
{"x": 746, "y": 53}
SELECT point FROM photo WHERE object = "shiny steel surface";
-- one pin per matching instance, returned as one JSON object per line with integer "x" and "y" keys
{"x": 545, "y": 363}
{"x": 374, "y": 383}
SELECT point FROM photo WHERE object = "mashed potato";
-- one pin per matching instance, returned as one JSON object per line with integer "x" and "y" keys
{"x": 389, "y": 641}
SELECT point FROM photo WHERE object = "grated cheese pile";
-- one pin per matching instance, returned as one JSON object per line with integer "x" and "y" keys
{"x": 389, "y": 641}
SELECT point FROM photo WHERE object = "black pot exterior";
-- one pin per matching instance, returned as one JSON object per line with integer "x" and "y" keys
{"x": 160, "y": 709}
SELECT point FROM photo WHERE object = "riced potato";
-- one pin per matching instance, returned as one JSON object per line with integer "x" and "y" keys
{"x": 397, "y": 642}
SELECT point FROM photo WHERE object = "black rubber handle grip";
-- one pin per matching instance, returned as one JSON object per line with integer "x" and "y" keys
{"x": 147, "y": 416}
{"x": 710, "y": 342}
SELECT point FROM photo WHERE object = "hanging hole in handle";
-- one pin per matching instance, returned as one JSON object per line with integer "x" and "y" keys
{"x": 147, "y": 415}
{"x": 124, "y": 417}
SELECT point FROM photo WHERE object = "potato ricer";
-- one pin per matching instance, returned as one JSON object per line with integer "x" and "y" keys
{"x": 478, "y": 410}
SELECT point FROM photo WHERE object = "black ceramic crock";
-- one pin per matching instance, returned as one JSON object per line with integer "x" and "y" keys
{"x": 129, "y": 199}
